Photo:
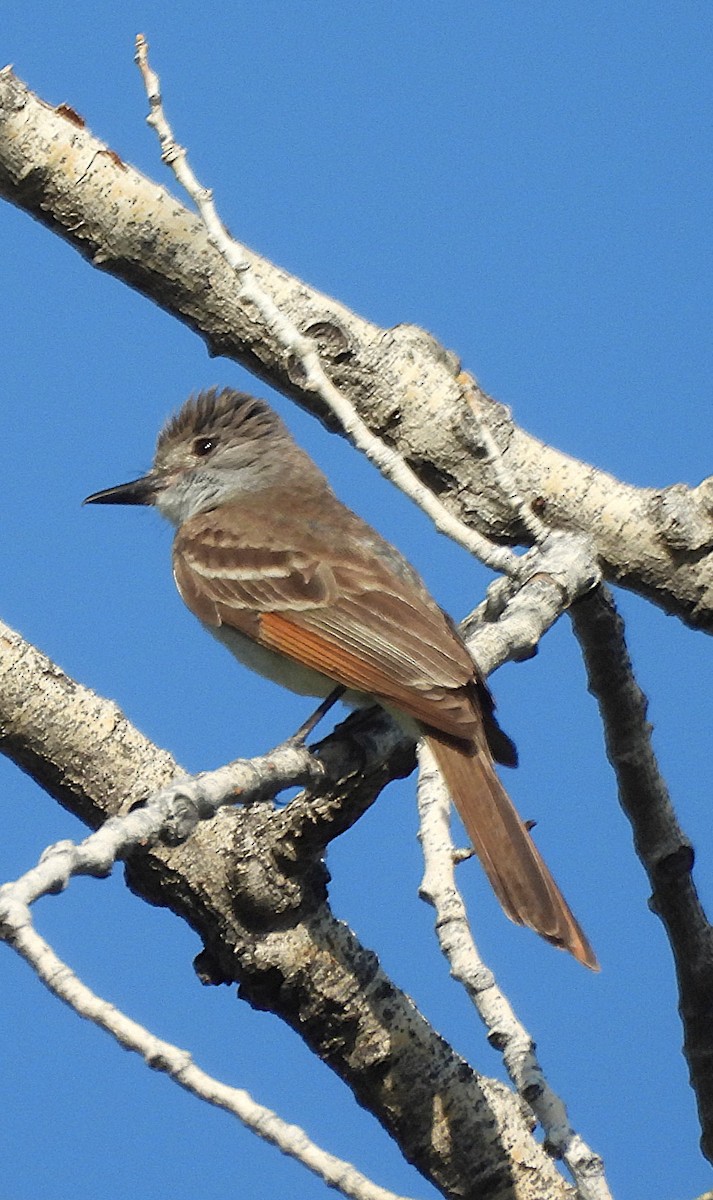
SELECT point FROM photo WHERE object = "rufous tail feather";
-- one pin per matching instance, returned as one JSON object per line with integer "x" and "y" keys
{"x": 519, "y": 877}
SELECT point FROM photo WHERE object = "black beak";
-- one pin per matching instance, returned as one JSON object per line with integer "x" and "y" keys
{"x": 139, "y": 491}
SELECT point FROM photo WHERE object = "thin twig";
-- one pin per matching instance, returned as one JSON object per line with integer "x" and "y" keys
{"x": 304, "y": 349}
{"x": 538, "y": 531}
{"x": 562, "y": 569}
{"x": 170, "y": 815}
{"x": 501, "y": 559}
{"x": 18, "y": 931}
{"x": 511, "y": 621}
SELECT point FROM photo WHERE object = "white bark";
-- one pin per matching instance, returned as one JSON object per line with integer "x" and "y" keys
{"x": 406, "y": 388}
{"x": 465, "y": 1132}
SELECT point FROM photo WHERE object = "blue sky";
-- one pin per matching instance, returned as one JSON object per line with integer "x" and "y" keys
{"x": 532, "y": 183}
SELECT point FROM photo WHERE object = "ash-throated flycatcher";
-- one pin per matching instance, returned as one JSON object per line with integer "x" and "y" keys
{"x": 303, "y": 591}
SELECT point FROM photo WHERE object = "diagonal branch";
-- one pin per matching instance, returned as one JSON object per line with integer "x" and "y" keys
{"x": 17, "y": 930}
{"x": 405, "y": 387}
{"x": 266, "y": 924}
{"x": 170, "y": 815}
{"x": 303, "y": 348}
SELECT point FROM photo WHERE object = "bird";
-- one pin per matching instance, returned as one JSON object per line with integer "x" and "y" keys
{"x": 302, "y": 590}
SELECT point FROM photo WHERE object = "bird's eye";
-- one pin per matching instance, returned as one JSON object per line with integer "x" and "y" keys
{"x": 203, "y": 446}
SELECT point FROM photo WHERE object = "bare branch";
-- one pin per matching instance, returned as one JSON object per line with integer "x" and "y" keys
{"x": 664, "y": 850}
{"x": 513, "y": 618}
{"x": 171, "y": 816}
{"x": 505, "y": 1031}
{"x": 304, "y": 349}
{"x": 262, "y": 913}
{"x": 403, "y": 385}
{"x": 493, "y": 455}
{"x": 16, "y": 928}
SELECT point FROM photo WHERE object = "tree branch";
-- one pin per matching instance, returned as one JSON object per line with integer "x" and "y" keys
{"x": 662, "y": 847}
{"x": 17, "y": 930}
{"x": 505, "y": 1031}
{"x": 303, "y": 349}
{"x": 262, "y": 913}
{"x": 404, "y": 386}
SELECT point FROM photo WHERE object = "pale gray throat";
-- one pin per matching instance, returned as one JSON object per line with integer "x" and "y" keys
{"x": 195, "y": 491}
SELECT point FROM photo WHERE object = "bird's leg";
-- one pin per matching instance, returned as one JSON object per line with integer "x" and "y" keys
{"x": 304, "y": 730}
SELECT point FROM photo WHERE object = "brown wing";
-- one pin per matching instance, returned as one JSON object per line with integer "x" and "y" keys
{"x": 358, "y": 614}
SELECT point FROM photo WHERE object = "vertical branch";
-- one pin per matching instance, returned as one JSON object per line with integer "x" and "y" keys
{"x": 506, "y": 1032}
{"x": 664, "y": 851}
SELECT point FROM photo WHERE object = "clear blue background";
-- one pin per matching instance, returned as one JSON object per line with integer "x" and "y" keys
{"x": 532, "y": 183}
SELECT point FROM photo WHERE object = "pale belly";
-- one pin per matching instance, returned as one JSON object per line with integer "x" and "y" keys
{"x": 276, "y": 667}
{"x": 302, "y": 680}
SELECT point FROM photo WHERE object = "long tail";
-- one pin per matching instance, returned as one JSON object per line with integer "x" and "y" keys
{"x": 510, "y": 858}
